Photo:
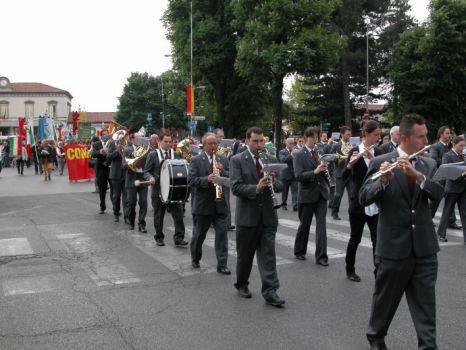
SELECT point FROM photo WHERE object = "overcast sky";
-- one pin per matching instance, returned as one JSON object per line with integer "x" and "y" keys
{"x": 89, "y": 47}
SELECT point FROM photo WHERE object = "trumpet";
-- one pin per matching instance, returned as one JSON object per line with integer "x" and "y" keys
{"x": 276, "y": 204}
{"x": 218, "y": 188}
{"x": 395, "y": 164}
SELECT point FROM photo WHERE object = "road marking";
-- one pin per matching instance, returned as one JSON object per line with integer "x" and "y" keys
{"x": 15, "y": 246}
{"x": 177, "y": 260}
{"x": 346, "y": 224}
{"x": 26, "y": 285}
{"x": 104, "y": 271}
{"x": 210, "y": 242}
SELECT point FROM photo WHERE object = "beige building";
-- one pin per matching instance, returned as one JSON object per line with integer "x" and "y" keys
{"x": 31, "y": 100}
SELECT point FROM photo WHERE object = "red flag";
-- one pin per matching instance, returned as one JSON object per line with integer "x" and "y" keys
{"x": 75, "y": 122}
{"x": 190, "y": 99}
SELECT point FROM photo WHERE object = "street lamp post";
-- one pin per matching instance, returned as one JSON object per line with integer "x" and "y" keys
{"x": 367, "y": 71}
{"x": 163, "y": 107}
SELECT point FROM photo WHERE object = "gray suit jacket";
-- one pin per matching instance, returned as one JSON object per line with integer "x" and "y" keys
{"x": 387, "y": 148}
{"x": 152, "y": 169}
{"x": 311, "y": 187}
{"x": 203, "y": 191}
{"x": 251, "y": 208}
{"x": 405, "y": 224}
{"x": 115, "y": 159}
{"x": 132, "y": 176}
{"x": 437, "y": 151}
{"x": 284, "y": 156}
{"x": 459, "y": 185}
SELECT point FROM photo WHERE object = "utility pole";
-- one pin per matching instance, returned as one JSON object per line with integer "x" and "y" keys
{"x": 163, "y": 107}
{"x": 367, "y": 70}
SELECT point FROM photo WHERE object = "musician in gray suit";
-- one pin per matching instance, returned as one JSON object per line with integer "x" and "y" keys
{"x": 135, "y": 194}
{"x": 117, "y": 176}
{"x": 206, "y": 208}
{"x": 455, "y": 191}
{"x": 313, "y": 194}
{"x": 391, "y": 145}
{"x": 287, "y": 175}
{"x": 152, "y": 172}
{"x": 256, "y": 218}
{"x": 340, "y": 182}
{"x": 406, "y": 251}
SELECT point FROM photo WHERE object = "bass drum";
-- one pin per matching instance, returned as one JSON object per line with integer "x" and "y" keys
{"x": 174, "y": 186}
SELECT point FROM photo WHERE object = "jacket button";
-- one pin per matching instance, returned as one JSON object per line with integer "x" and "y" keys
{"x": 413, "y": 226}
{"x": 412, "y": 211}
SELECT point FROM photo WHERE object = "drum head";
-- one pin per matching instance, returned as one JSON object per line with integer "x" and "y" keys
{"x": 165, "y": 181}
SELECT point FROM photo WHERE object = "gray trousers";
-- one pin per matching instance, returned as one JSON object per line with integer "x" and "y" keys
{"x": 340, "y": 186}
{"x": 259, "y": 240}
{"x": 415, "y": 277}
{"x": 137, "y": 195}
{"x": 176, "y": 210}
{"x": 226, "y": 190}
{"x": 450, "y": 200}
{"x": 287, "y": 185}
{"x": 305, "y": 212}
{"x": 201, "y": 226}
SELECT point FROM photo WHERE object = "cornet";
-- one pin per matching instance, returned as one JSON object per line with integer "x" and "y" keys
{"x": 269, "y": 178}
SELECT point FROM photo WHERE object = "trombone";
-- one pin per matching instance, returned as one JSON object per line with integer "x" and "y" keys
{"x": 395, "y": 164}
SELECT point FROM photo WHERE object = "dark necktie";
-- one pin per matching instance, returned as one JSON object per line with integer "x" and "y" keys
{"x": 258, "y": 167}
{"x": 211, "y": 165}
{"x": 166, "y": 155}
{"x": 314, "y": 155}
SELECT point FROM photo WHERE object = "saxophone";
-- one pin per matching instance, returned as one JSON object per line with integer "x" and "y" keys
{"x": 216, "y": 171}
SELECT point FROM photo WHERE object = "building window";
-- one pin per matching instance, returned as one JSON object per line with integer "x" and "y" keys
{"x": 53, "y": 109}
{"x": 4, "y": 107}
{"x": 29, "y": 109}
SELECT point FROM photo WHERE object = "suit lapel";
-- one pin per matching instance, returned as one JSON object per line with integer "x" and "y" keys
{"x": 400, "y": 177}
{"x": 309, "y": 158}
{"x": 420, "y": 166}
{"x": 206, "y": 161}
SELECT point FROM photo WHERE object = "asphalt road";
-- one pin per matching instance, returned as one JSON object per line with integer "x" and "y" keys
{"x": 73, "y": 279}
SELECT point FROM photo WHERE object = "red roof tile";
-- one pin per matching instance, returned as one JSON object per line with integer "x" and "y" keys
{"x": 36, "y": 88}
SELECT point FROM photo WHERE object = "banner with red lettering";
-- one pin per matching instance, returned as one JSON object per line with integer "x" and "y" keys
{"x": 77, "y": 161}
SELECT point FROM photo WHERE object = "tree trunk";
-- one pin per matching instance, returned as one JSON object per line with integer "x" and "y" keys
{"x": 277, "y": 110}
{"x": 345, "y": 82}
{"x": 219, "y": 93}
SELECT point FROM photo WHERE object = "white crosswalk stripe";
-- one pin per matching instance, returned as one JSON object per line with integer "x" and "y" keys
{"x": 346, "y": 224}
{"x": 26, "y": 285}
{"x": 177, "y": 260}
{"x": 210, "y": 242}
{"x": 104, "y": 271}
{"x": 334, "y": 234}
{"x": 15, "y": 246}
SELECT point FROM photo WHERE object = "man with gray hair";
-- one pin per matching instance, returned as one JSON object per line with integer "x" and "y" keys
{"x": 394, "y": 140}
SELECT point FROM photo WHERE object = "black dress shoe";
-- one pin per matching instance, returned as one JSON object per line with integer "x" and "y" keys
{"x": 300, "y": 257}
{"x": 322, "y": 261}
{"x": 131, "y": 227}
{"x": 353, "y": 277}
{"x": 159, "y": 242}
{"x": 378, "y": 346}
{"x": 126, "y": 220}
{"x": 195, "y": 265}
{"x": 244, "y": 292}
{"x": 224, "y": 270}
{"x": 455, "y": 226}
{"x": 181, "y": 243}
{"x": 284, "y": 207}
{"x": 335, "y": 216}
{"x": 142, "y": 228}
{"x": 231, "y": 228}
{"x": 295, "y": 209}
{"x": 102, "y": 211}
{"x": 442, "y": 239}
{"x": 117, "y": 218}
{"x": 274, "y": 300}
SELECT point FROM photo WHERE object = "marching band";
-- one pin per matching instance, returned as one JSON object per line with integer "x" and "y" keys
{"x": 391, "y": 188}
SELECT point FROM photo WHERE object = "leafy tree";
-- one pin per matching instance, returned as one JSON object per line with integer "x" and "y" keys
{"x": 277, "y": 38}
{"x": 236, "y": 100}
{"x": 142, "y": 94}
{"x": 428, "y": 67}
